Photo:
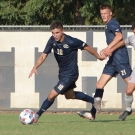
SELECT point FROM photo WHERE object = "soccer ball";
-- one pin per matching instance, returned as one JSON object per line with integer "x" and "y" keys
{"x": 26, "y": 116}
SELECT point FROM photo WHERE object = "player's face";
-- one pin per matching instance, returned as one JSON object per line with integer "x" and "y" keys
{"x": 58, "y": 34}
{"x": 106, "y": 15}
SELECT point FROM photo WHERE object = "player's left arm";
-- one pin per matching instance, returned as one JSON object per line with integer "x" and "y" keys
{"x": 93, "y": 52}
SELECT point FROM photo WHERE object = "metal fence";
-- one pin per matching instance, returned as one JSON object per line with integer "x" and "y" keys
{"x": 66, "y": 27}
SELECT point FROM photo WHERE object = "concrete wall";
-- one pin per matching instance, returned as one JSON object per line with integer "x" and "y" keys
{"x": 20, "y": 49}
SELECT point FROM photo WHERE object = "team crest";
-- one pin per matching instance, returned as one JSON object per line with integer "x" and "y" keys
{"x": 65, "y": 46}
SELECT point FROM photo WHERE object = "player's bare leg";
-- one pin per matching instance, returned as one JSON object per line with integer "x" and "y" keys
{"x": 104, "y": 79}
{"x": 71, "y": 94}
{"x": 97, "y": 98}
{"x": 128, "y": 101}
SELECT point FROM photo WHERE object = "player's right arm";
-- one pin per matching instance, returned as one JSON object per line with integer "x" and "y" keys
{"x": 40, "y": 60}
{"x": 115, "y": 30}
{"x": 42, "y": 57}
{"x": 128, "y": 41}
{"x": 118, "y": 37}
{"x": 108, "y": 51}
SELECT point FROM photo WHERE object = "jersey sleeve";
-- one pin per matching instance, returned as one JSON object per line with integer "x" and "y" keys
{"x": 114, "y": 27}
{"x": 130, "y": 40}
{"x": 48, "y": 46}
{"x": 79, "y": 43}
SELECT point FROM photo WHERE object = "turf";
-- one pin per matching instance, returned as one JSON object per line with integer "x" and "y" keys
{"x": 68, "y": 124}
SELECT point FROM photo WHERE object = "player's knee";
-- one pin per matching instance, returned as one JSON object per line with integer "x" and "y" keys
{"x": 70, "y": 94}
{"x": 129, "y": 92}
{"x": 51, "y": 97}
{"x": 69, "y": 97}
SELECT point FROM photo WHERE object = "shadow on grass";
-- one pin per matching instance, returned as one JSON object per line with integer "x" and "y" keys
{"x": 80, "y": 121}
{"x": 112, "y": 120}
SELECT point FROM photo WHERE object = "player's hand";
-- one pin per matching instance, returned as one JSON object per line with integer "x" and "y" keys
{"x": 102, "y": 52}
{"x": 103, "y": 56}
{"x": 34, "y": 70}
{"x": 107, "y": 51}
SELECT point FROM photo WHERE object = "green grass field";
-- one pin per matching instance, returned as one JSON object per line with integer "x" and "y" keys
{"x": 68, "y": 124}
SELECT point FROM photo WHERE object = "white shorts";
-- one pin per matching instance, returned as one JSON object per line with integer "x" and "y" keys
{"x": 132, "y": 76}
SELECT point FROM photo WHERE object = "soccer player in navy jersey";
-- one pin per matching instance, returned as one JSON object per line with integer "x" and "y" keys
{"x": 65, "y": 50}
{"x": 118, "y": 62}
{"x": 130, "y": 40}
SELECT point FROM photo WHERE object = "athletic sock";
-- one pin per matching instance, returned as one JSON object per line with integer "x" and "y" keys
{"x": 81, "y": 96}
{"x": 128, "y": 102}
{"x": 93, "y": 111}
{"x": 46, "y": 104}
{"x": 98, "y": 93}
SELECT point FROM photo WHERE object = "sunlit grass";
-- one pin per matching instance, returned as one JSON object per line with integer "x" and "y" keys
{"x": 68, "y": 124}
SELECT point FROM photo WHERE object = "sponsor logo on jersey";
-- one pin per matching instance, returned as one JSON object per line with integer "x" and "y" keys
{"x": 117, "y": 29}
{"x": 54, "y": 44}
{"x": 65, "y": 46}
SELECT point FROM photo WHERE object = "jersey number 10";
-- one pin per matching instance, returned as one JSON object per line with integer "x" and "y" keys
{"x": 60, "y": 51}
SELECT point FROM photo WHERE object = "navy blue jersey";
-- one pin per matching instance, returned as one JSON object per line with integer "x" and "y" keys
{"x": 120, "y": 55}
{"x": 65, "y": 53}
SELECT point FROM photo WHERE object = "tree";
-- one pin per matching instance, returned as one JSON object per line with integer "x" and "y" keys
{"x": 10, "y": 12}
{"x": 70, "y": 12}
{"x": 45, "y": 11}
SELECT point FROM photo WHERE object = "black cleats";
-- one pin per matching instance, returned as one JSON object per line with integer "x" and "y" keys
{"x": 123, "y": 116}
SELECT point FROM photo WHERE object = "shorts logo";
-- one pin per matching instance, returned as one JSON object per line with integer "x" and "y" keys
{"x": 123, "y": 72}
{"x": 60, "y": 87}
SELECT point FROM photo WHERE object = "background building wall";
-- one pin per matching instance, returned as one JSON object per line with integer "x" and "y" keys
{"x": 20, "y": 49}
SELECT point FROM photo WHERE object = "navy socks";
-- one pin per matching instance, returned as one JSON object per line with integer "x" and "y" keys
{"x": 98, "y": 93}
{"x": 46, "y": 104}
{"x": 84, "y": 97}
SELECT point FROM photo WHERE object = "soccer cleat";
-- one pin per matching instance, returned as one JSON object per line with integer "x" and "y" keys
{"x": 86, "y": 114}
{"x": 97, "y": 103}
{"x": 36, "y": 118}
{"x": 123, "y": 116}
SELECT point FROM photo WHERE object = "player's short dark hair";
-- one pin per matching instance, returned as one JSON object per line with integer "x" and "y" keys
{"x": 56, "y": 24}
{"x": 106, "y": 6}
{"x": 133, "y": 25}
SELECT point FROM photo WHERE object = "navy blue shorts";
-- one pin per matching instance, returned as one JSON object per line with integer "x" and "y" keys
{"x": 113, "y": 70}
{"x": 65, "y": 84}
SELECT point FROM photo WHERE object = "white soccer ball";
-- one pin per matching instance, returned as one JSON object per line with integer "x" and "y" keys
{"x": 26, "y": 116}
